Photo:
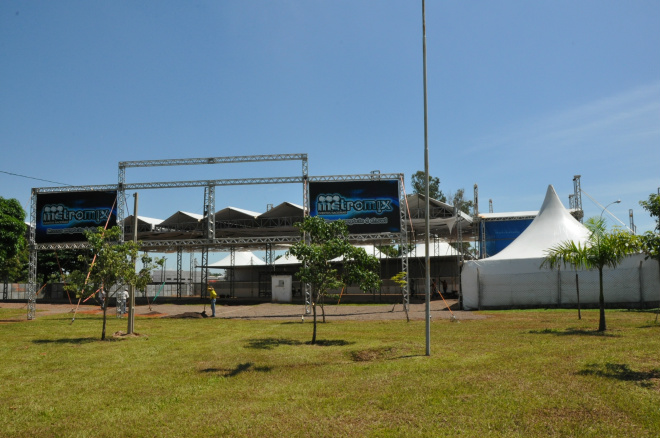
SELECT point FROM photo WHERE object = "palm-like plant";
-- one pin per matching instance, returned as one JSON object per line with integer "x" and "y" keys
{"x": 602, "y": 249}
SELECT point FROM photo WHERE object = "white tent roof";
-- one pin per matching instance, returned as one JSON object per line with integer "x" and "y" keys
{"x": 285, "y": 209}
{"x": 552, "y": 226}
{"x": 147, "y": 220}
{"x": 241, "y": 258}
{"x": 234, "y": 213}
{"x": 181, "y": 217}
{"x": 443, "y": 249}
{"x": 287, "y": 260}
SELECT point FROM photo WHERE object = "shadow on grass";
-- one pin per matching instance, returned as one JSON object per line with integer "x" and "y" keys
{"x": 239, "y": 369}
{"x": 270, "y": 343}
{"x": 621, "y": 371}
{"x": 331, "y": 343}
{"x": 573, "y": 332}
{"x": 67, "y": 341}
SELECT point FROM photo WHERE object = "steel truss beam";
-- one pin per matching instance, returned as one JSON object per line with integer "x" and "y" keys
{"x": 213, "y": 160}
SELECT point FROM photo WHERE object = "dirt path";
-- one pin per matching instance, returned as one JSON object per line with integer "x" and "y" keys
{"x": 264, "y": 311}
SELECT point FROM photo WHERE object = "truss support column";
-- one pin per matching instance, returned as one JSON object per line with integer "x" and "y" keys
{"x": 205, "y": 271}
{"x": 403, "y": 243}
{"x": 121, "y": 201}
{"x": 32, "y": 274}
{"x": 232, "y": 263}
{"x": 179, "y": 269}
{"x": 577, "y": 192}
{"x": 306, "y": 287}
{"x": 209, "y": 212}
{"x": 269, "y": 254}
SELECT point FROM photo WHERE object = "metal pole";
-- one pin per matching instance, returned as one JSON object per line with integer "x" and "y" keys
{"x": 131, "y": 307}
{"x": 426, "y": 215}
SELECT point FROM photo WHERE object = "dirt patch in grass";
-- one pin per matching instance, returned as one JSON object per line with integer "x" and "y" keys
{"x": 122, "y": 335}
{"x": 372, "y": 354}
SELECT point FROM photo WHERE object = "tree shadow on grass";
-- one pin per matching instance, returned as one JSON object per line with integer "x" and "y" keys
{"x": 331, "y": 343}
{"x": 67, "y": 341}
{"x": 621, "y": 371}
{"x": 574, "y": 332}
{"x": 271, "y": 343}
{"x": 238, "y": 369}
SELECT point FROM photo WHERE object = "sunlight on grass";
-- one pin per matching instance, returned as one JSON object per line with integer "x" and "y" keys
{"x": 514, "y": 374}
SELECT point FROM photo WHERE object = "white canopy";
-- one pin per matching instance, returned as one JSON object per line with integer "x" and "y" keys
{"x": 241, "y": 259}
{"x": 514, "y": 277}
{"x": 552, "y": 226}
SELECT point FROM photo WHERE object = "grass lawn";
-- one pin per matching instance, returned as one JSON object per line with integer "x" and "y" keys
{"x": 536, "y": 373}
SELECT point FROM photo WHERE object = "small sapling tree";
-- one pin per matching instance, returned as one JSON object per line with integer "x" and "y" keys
{"x": 602, "y": 249}
{"x": 321, "y": 243}
{"x": 111, "y": 265}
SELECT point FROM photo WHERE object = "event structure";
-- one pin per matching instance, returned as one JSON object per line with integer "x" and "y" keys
{"x": 374, "y": 205}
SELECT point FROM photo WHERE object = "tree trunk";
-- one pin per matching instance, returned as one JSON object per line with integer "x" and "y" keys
{"x": 105, "y": 310}
{"x": 601, "y": 301}
{"x": 314, "y": 332}
{"x": 322, "y": 299}
{"x": 577, "y": 288}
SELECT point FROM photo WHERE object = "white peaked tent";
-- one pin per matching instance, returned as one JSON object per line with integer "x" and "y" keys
{"x": 514, "y": 278}
{"x": 241, "y": 259}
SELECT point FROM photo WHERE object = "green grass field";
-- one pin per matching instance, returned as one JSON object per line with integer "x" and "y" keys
{"x": 529, "y": 373}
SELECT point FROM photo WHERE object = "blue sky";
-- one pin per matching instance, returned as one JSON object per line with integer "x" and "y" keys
{"x": 522, "y": 94}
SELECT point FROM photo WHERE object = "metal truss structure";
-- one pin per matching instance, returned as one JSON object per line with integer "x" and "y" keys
{"x": 206, "y": 239}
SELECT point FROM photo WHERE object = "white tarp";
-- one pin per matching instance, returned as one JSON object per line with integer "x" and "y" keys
{"x": 514, "y": 278}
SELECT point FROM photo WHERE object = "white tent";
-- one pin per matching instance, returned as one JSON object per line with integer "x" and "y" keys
{"x": 439, "y": 249}
{"x": 241, "y": 259}
{"x": 514, "y": 278}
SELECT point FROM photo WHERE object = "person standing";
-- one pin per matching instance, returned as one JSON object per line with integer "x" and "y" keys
{"x": 123, "y": 296}
{"x": 213, "y": 296}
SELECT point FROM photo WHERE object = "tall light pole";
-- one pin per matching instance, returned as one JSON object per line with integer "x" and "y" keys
{"x": 131, "y": 297}
{"x": 426, "y": 214}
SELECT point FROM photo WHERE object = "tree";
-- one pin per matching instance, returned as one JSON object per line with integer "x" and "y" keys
{"x": 653, "y": 207}
{"x": 12, "y": 237}
{"x": 602, "y": 249}
{"x": 323, "y": 242}
{"x": 419, "y": 186}
{"x": 458, "y": 200}
{"x": 112, "y": 265}
{"x": 650, "y": 241}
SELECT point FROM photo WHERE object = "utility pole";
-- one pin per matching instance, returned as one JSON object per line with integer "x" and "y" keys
{"x": 427, "y": 209}
{"x": 131, "y": 297}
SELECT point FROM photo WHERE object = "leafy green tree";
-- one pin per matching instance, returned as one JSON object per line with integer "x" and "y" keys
{"x": 401, "y": 280}
{"x": 419, "y": 186}
{"x": 650, "y": 241}
{"x": 321, "y": 243}
{"x": 602, "y": 249}
{"x": 653, "y": 207}
{"x": 111, "y": 265}
{"x": 12, "y": 237}
{"x": 458, "y": 199}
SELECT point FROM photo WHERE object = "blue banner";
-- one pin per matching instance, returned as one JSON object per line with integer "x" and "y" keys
{"x": 366, "y": 206}
{"x": 64, "y": 217}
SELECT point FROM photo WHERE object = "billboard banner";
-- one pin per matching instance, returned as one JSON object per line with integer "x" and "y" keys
{"x": 366, "y": 206}
{"x": 64, "y": 217}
